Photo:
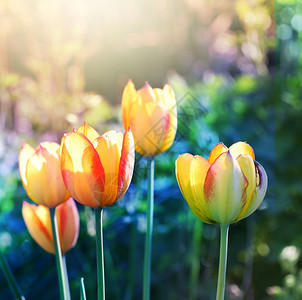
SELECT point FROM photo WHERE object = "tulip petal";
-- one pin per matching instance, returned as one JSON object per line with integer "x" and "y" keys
{"x": 82, "y": 170}
{"x": 68, "y": 224}
{"x": 37, "y": 220}
{"x": 25, "y": 153}
{"x": 44, "y": 178}
{"x": 149, "y": 124}
{"x": 128, "y": 98}
{"x": 182, "y": 170}
{"x": 247, "y": 166}
{"x": 259, "y": 192}
{"x": 216, "y": 151}
{"x": 225, "y": 189}
{"x": 146, "y": 94}
{"x": 89, "y": 132}
{"x": 198, "y": 170}
{"x": 109, "y": 148}
{"x": 51, "y": 146}
{"x": 242, "y": 148}
{"x": 126, "y": 164}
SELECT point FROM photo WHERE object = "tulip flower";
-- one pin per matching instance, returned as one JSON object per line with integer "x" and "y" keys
{"x": 97, "y": 170}
{"x": 40, "y": 171}
{"x": 38, "y": 223}
{"x": 152, "y": 116}
{"x": 224, "y": 189}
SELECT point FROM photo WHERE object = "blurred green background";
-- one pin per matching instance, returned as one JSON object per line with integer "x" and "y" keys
{"x": 236, "y": 69}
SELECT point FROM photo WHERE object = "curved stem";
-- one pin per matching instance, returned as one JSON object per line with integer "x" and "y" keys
{"x": 10, "y": 278}
{"x": 100, "y": 253}
{"x": 64, "y": 293}
{"x": 148, "y": 239}
{"x": 224, "y": 231}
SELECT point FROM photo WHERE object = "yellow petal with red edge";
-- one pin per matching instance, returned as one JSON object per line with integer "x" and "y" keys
{"x": 259, "y": 192}
{"x": 37, "y": 220}
{"x": 198, "y": 171}
{"x": 89, "y": 132}
{"x": 44, "y": 179}
{"x": 109, "y": 148}
{"x": 225, "y": 189}
{"x": 82, "y": 170}
{"x": 68, "y": 221}
{"x": 247, "y": 166}
{"x": 126, "y": 164}
{"x": 242, "y": 148}
{"x": 149, "y": 124}
{"x": 216, "y": 151}
{"x": 128, "y": 98}
{"x": 25, "y": 153}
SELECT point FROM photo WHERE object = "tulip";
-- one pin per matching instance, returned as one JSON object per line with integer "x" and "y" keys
{"x": 40, "y": 171}
{"x": 97, "y": 170}
{"x": 38, "y": 223}
{"x": 224, "y": 189}
{"x": 152, "y": 116}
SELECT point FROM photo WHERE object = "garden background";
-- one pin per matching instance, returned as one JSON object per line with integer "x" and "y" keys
{"x": 235, "y": 67}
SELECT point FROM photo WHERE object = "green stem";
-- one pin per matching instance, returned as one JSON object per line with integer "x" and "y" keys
{"x": 195, "y": 259}
{"x": 10, "y": 278}
{"x": 100, "y": 253}
{"x": 224, "y": 231}
{"x": 148, "y": 239}
{"x": 64, "y": 293}
{"x": 83, "y": 292}
{"x": 66, "y": 282}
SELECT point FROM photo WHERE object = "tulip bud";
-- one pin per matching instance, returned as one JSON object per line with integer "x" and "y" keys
{"x": 38, "y": 223}
{"x": 152, "y": 116}
{"x": 40, "y": 172}
{"x": 224, "y": 189}
{"x": 97, "y": 170}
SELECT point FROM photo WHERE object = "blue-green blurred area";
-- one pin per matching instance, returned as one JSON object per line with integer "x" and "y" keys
{"x": 236, "y": 71}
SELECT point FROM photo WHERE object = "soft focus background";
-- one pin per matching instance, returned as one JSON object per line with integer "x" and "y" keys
{"x": 236, "y": 69}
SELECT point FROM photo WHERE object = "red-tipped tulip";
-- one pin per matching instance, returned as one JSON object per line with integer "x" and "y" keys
{"x": 152, "y": 116}
{"x": 97, "y": 170}
{"x": 40, "y": 171}
{"x": 38, "y": 223}
{"x": 224, "y": 189}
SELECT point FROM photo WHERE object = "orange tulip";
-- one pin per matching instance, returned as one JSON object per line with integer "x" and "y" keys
{"x": 224, "y": 189}
{"x": 38, "y": 223}
{"x": 97, "y": 170}
{"x": 152, "y": 116}
{"x": 40, "y": 172}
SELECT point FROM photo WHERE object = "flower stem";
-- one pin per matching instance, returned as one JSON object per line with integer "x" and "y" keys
{"x": 100, "y": 253}
{"x": 224, "y": 231}
{"x": 64, "y": 292}
{"x": 83, "y": 292}
{"x": 148, "y": 239}
{"x": 66, "y": 282}
{"x": 10, "y": 278}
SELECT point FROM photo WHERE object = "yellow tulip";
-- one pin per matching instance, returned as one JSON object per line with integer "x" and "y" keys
{"x": 38, "y": 223}
{"x": 224, "y": 189}
{"x": 97, "y": 170}
{"x": 40, "y": 171}
{"x": 152, "y": 116}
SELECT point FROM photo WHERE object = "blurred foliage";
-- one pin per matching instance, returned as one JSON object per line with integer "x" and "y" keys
{"x": 236, "y": 70}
